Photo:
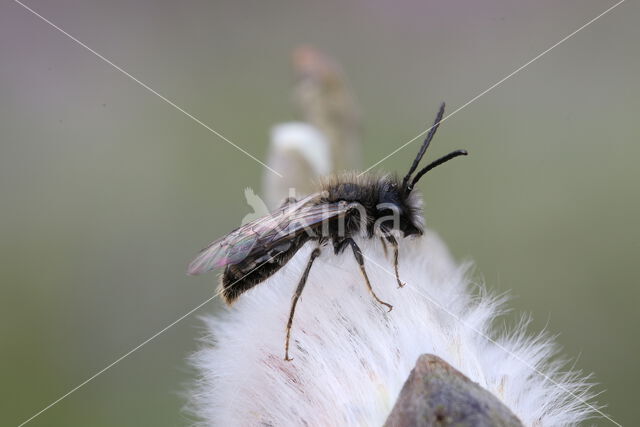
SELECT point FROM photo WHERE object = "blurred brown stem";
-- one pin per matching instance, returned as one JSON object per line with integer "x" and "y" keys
{"x": 325, "y": 101}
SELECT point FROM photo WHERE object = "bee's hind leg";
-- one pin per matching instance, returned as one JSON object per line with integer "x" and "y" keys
{"x": 394, "y": 244}
{"x": 294, "y": 300}
{"x": 357, "y": 253}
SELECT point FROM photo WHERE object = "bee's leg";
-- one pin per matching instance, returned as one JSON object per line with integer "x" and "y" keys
{"x": 357, "y": 253}
{"x": 384, "y": 246}
{"x": 394, "y": 243}
{"x": 294, "y": 300}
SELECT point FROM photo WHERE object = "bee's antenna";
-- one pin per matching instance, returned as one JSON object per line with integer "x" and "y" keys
{"x": 424, "y": 147}
{"x": 435, "y": 163}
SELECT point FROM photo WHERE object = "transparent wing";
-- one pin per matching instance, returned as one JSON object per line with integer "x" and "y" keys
{"x": 305, "y": 217}
{"x": 263, "y": 234}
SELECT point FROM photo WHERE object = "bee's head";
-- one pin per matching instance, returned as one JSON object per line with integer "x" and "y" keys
{"x": 397, "y": 210}
{"x": 408, "y": 183}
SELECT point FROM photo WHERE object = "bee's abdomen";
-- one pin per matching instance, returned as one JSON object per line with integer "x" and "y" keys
{"x": 256, "y": 268}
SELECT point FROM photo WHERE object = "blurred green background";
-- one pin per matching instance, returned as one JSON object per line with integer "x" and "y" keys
{"x": 107, "y": 192}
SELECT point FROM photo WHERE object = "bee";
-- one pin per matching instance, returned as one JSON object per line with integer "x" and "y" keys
{"x": 347, "y": 206}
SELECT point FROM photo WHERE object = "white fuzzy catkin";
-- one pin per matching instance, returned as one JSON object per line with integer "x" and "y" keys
{"x": 351, "y": 357}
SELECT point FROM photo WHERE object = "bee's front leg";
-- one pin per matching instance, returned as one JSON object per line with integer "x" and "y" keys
{"x": 394, "y": 243}
{"x": 384, "y": 246}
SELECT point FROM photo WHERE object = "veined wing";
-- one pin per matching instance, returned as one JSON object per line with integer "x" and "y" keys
{"x": 265, "y": 233}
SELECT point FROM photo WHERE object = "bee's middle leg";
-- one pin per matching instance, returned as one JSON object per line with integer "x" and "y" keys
{"x": 357, "y": 253}
{"x": 294, "y": 299}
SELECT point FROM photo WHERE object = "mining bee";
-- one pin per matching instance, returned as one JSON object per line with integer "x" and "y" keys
{"x": 347, "y": 206}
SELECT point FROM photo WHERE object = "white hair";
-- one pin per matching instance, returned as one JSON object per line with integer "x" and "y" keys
{"x": 351, "y": 358}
